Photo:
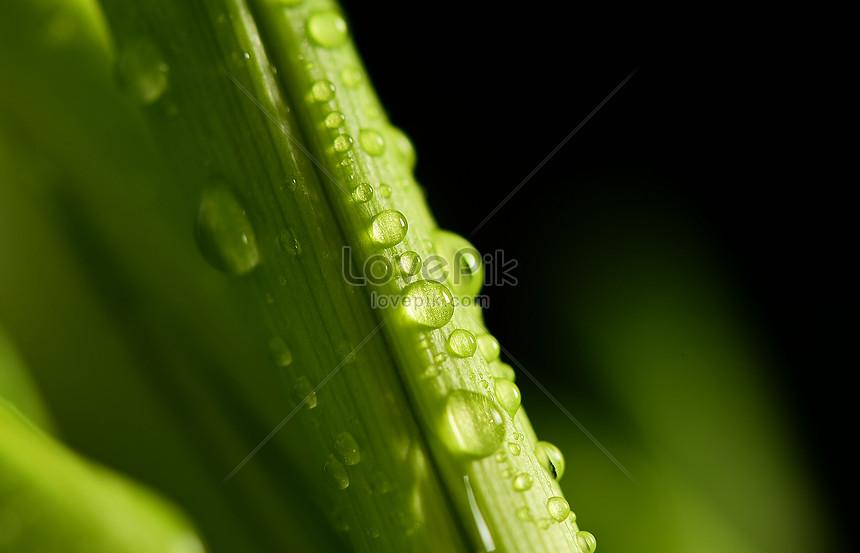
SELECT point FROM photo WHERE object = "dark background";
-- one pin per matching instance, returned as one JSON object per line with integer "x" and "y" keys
{"x": 734, "y": 125}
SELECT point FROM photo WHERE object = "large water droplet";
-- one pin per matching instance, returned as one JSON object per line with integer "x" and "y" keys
{"x": 322, "y": 91}
{"x": 280, "y": 353}
{"x": 586, "y": 541}
{"x": 465, "y": 271}
{"x": 224, "y": 232}
{"x": 508, "y": 395}
{"x": 388, "y": 228}
{"x": 141, "y": 72}
{"x": 503, "y": 370}
{"x": 523, "y": 482}
{"x": 303, "y": 391}
{"x": 488, "y": 346}
{"x": 327, "y": 28}
{"x": 550, "y": 458}
{"x": 558, "y": 508}
{"x": 409, "y": 263}
{"x": 372, "y": 142}
{"x": 471, "y": 425}
{"x": 335, "y": 473}
{"x": 462, "y": 343}
{"x": 428, "y": 303}
{"x": 346, "y": 449}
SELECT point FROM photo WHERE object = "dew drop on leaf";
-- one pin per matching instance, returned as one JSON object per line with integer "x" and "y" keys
{"x": 558, "y": 508}
{"x": 351, "y": 76}
{"x": 586, "y": 541}
{"x": 371, "y": 142}
{"x": 388, "y": 228}
{"x": 409, "y": 263}
{"x": 346, "y": 449}
{"x": 141, "y": 72}
{"x": 384, "y": 190}
{"x": 322, "y": 91}
{"x": 462, "y": 343}
{"x": 550, "y": 458}
{"x": 488, "y": 346}
{"x": 470, "y": 425}
{"x": 327, "y": 28}
{"x": 342, "y": 143}
{"x": 464, "y": 268}
{"x": 428, "y": 303}
{"x": 335, "y": 473}
{"x": 334, "y": 120}
{"x": 304, "y": 391}
{"x": 508, "y": 395}
{"x": 224, "y": 233}
{"x": 362, "y": 193}
{"x": 281, "y": 354}
{"x": 523, "y": 482}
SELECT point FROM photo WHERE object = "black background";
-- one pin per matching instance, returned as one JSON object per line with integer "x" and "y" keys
{"x": 739, "y": 119}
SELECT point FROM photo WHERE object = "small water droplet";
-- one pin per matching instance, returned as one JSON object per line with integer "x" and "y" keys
{"x": 362, "y": 193}
{"x": 470, "y": 425}
{"x": 558, "y": 508}
{"x": 388, "y": 228}
{"x": 440, "y": 357}
{"x": 488, "y": 346}
{"x": 334, "y": 120}
{"x": 280, "y": 353}
{"x": 247, "y": 55}
{"x": 304, "y": 391}
{"x": 372, "y": 142}
{"x": 524, "y": 514}
{"x": 404, "y": 147}
{"x": 464, "y": 269}
{"x": 224, "y": 233}
{"x": 550, "y": 458}
{"x": 335, "y": 472}
{"x": 288, "y": 242}
{"x": 384, "y": 190}
{"x": 327, "y": 28}
{"x": 378, "y": 270}
{"x": 322, "y": 91}
{"x": 501, "y": 457}
{"x": 141, "y": 72}
{"x": 519, "y": 437}
{"x": 523, "y": 482}
{"x": 428, "y": 303}
{"x": 342, "y": 143}
{"x": 514, "y": 448}
{"x": 586, "y": 541}
{"x": 508, "y": 395}
{"x": 351, "y": 76}
{"x": 346, "y": 449}
{"x": 543, "y": 523}
{"x": 502, "y": 370}
{"x": 509, "y": 472}
{"x": 409, "y": 263}
{"x": 462, "y": 343}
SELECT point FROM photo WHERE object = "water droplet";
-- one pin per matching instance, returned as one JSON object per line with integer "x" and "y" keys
{"x": 409, "y": 263}
{"x": 384, "y": 190}
{"x": 514, "y": 448}
{"x": 246, "y": 55}
{"x": 524, "y": 514}
{"x": 543, "y": 523}
{"x": 327, "y": 28}
{"x": 304, "y": 391}
{"x": 440, "y": 357}
{"x": 351, "y": 76}
{"x": 503, "y": 370}
{"x": 224, "y": 232}
{"x": 342, "y": 143}
{"x": 550, "y": 459}
{"x": 388, "y": 228}
{"x": 335, "y": 472}
{"x": 404, "y": 147}
{"x": 346, "y": 449}
{"x": 523, "y": 482}
{"x": 464, "y": 268}
{"x": 471, "y": 426}
{"x": 428, "y": 303}
{"x": 372, "y": 142}
{"x": 280, "y": 353}
{"x": 362, "y": 193}
{"x": 322, "y": 91}
{"x": 488, "y": 346}
{"x": 288, "y": 242}
{"x": 501, "y": 456}
{"x": 586, "y": 541}
{"x": 141, "y": 72}
{"x": 462, "y": 343}
{"x": 334, "y": 120}
{"x": 558, "y": 508}
{"x": 508, "y": 395}
{"x": 377, "y": 270}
